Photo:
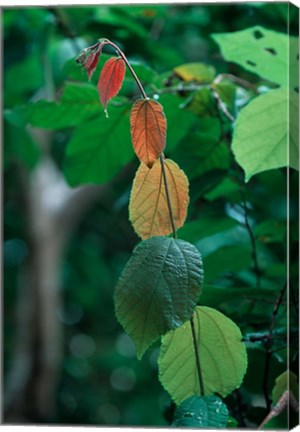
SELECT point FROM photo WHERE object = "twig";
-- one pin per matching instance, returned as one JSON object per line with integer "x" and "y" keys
{"x": 268, "y": 349}
{"x": 162, "y": 162}
{"x": 198, "y": 365}
{"x": 286, "y": 400}
{"x": 221, "y": 104}
{"x": 241, "y": 82}
{"x": 252, "y": 239}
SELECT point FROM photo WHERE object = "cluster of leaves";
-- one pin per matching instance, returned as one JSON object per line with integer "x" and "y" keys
{"x": 201, "y": 102}
{"x": 160, "y": 286}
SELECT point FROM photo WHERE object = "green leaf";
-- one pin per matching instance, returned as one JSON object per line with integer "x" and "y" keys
{"x": 199, "y": 153}
{"x": 120, "y": 18}
{"x": 215, "y": 295}
{"x": 31, "y": 73}
{"x": 263, "y": 52}
{"x": 158, "y": 289}
{"x": 222, "y": 354}
{"x": 226, "y": 259}
{"x": 99, "y": 148}
{"x": 286, "y": 381}
{"x": 265, "y": 137}
{"x": 199, "y": 72}
{"x": 78, "y": 102}
{"x": 232, "y": 423}
{"x": 201, "y": 412}
{"x": 143, "y": 71}
{"x": 202, "y": 103}
{"x": 270, "y": 231}
{"x": 19, "y": 146}
{"x": 175, "y": 115}
{"x": 204, "y": 227}
{"x": 225, "y": 188}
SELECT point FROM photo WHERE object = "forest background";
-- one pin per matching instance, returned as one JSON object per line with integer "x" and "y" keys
{"x": 66, "y": 241}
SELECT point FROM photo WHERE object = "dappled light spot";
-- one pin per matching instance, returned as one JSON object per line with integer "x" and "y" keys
{"x": 82, "y": 346}
{"x": 108, "y": 413}
{"x": 15, "y": 252}
{"x": 123, "y": 379}
{"x": 125, "y": 346}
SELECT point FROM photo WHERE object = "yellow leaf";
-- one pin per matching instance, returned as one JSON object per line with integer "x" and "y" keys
{"x": 199, "y": 72}
{"x": 148, "y": 207}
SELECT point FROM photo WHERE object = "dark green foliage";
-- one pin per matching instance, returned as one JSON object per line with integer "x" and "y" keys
{"x": 201, "y": 412}
{"x": 158, "y": 289}
{"x": 244, "y": 231}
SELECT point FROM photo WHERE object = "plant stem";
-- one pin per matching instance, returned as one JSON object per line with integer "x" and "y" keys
{"x": 163, "y": 169}
{"x": 120, "y": 52}
{"x": 252, "y": 239}
{"x": 268, "y": 349}
{"x": 200, "y": 378}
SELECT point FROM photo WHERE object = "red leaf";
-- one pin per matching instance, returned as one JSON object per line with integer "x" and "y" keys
{"x": 111, "y": 79}
{"x": 91, "y": 63}
{"x": 148, "y": 130}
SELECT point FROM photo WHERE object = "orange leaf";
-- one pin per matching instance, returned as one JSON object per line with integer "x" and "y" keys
{"x": 111, "y": 79}
{"x": 148, "y": 208}
{"x": 148, "y": 130}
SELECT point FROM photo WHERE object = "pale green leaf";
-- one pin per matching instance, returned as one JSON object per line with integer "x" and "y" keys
{"x": 286, "y": 381}
{"x": 201, "y": 412}
{"x": 265, "y": 136}
{"x": 158, "y": 289}
{"x": 263, "y": 52}
{"x": 99, "y": 148}
{"x": 222, "y": 355}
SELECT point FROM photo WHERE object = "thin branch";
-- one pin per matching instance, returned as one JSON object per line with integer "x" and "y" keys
{"x": 252, "y": 239}
{"x": 221, "y": 105}
{"x": 198, "y": 365}
{"x": 120, "y": 52}
{"x": 162, "y": 162}
{"x": 269, "y": 350}
{"x": 286, "y": 400}
{"x": 241, "y": 82}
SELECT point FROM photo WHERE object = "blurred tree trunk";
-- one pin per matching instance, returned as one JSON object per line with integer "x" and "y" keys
{"x": 52, "y": 211}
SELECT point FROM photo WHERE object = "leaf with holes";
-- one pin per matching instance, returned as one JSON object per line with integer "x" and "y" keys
{"x": 222, "y": 354}
{"x": 111, "y": 79}
{"x": 266, "y": 134}
{"x": 201, "y": 412}
{"x": 158, "y": 289}
{"x": 267, "y": 53}
{"x": 148, "y": 206}
{"x": 148, "y": 130}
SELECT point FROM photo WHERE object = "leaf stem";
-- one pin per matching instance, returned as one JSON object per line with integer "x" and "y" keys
{"x": 120, "y": 52}
{"x": 198, "y": 365}
{"x": 269, "y": 349}
{"x": 163, "y": 169}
